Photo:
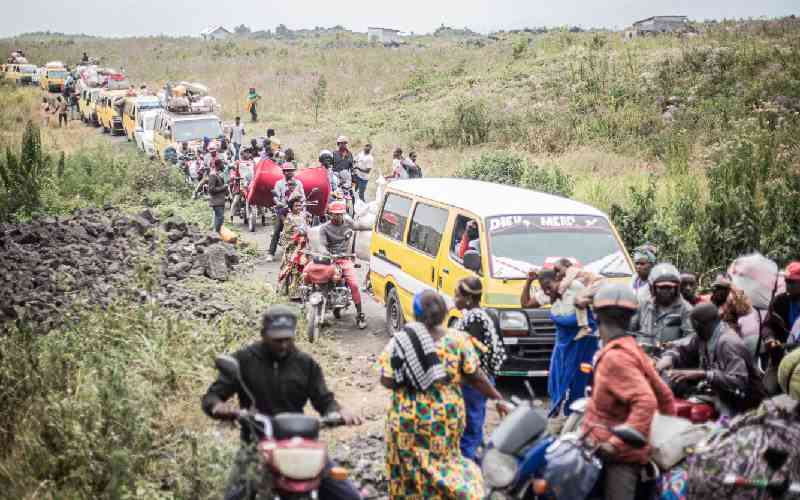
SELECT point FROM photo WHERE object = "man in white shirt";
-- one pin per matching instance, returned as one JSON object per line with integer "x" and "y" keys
{"x": 398, "y": 171}
{"x": 237, "y": 136}
{"x": 362, "y": 169}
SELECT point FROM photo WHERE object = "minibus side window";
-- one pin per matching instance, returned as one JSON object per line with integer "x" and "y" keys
{"x": 427, "y": 227}
{"x": 394, "y": 216}
{"x": 459, "y": 234}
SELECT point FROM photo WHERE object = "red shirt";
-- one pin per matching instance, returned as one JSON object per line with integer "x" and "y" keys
{"x": 627, "y": 390}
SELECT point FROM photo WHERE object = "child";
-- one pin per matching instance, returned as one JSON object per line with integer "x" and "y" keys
{"x": 480, "y": 326}
{"x": 568, "y": 273}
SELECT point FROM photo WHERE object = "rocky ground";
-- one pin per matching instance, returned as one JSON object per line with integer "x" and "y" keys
{"x": 98, "y": 254}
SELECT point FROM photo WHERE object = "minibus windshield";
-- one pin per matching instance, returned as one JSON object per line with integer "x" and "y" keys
{"x": 522, "y": 243}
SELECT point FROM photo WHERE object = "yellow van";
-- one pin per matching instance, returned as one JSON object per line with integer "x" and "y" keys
{"x": 171, "y": 129}
{"x": 109, "y": 111}
{"x": 419, "y": 240}
{"x": 54, "y": 76}
{"x": 20, "y": 74}
{"x": 133, "y": 107}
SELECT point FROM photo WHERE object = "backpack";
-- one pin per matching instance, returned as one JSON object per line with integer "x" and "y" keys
{"x": 763, "y": 444}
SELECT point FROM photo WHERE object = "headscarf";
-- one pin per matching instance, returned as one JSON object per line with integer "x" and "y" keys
{"x": 646, "y": 252}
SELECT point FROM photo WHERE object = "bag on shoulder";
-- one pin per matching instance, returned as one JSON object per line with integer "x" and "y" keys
{"x": 761, "y": 444}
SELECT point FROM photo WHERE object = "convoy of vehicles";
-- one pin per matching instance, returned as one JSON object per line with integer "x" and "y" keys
{"x": 415, "y": 246}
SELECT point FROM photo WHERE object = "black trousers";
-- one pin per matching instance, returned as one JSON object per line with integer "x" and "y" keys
{"x": 276, "y": 236}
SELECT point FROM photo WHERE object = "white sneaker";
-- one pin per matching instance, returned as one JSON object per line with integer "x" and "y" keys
{"x": 270, "y": 258}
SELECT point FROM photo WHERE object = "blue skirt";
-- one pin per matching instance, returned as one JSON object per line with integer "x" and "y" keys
{"x": 566, "y": 382}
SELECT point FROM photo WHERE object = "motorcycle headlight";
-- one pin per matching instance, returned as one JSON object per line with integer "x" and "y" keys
{"x": 300, "y": 464}
{"x": 499, "y": 469}
{"x": 513, "y": 321}
{"x": 315, "y": 299}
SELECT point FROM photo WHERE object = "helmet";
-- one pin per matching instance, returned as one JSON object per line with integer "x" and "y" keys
{"x": 326, "y": 157}
{"x": 664, "y": 273}
{"x": 337, "y": 207}
{"x": 341, "y": 139}
{"x": 615, "y": 295}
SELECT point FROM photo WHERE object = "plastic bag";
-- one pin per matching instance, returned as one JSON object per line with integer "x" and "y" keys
{"x": 227, "y": 235}
{"x": 670, "y": 437}
{"x": 757, "y": 276}
{"x": 571, "y": 471}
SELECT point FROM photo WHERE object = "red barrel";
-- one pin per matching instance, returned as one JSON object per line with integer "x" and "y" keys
{"x": 316, "y": 177}
{"x": 266, "y": 175}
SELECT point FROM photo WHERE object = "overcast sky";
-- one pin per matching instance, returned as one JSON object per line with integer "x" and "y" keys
{"x": 189, "y": 17}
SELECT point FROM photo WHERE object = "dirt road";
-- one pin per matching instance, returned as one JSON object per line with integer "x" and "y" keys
{"x": 347, "y": 354}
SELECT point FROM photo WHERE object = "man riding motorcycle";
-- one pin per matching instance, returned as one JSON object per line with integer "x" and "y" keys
{"x": 664, "y": 317}
{"x": 717, "y": 355}
{"x": 336, "y": 236}
{"x": 283, "y": 190}
{"x": 282, "y": 379}
{"x": 627, "y": 390}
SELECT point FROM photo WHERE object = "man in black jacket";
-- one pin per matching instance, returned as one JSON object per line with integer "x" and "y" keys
{"x": 282, "y": 379}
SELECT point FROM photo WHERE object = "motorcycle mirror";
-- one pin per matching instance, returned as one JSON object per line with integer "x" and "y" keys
{"x": 630, "y": 436}
{"x": 228, "y": 366}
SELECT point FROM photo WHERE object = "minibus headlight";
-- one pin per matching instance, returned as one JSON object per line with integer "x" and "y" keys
{"x": 513, "y": 321}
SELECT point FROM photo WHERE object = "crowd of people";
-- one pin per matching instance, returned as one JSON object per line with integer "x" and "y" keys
{"x": 442, "y": 379}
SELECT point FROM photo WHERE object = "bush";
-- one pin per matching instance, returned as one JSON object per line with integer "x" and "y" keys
{"x": 107, "y": 405}
{"x": 514, "y": 170}
{"x": 24, "y": 176}
{"x": 469, "y": 124}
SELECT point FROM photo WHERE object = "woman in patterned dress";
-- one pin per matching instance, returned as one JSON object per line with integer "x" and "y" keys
{"x": 492, "y": 354}
{"x": 424, "y": 365}
{"x": 294, "y": 239}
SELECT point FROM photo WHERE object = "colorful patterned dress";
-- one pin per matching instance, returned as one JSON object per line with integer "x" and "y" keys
{"x": 423, "y": 430}
{"x": 294, "y": 241}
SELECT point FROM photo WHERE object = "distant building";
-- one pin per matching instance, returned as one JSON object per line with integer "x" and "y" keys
{"x": 659, "y": 24}
{"x": 383, "y": 35}
{"x": 215, "y": 33}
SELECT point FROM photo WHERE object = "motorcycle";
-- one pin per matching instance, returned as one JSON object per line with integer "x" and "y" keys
{"x": 515, "y": 451}
{"x": 516, "y": 461}
{"x": 324, "y": 288}
{"x": 289, "y": 450}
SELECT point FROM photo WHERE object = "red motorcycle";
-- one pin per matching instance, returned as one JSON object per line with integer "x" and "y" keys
{"x": 289, "y": 448}
{"x": 324, "y": 288}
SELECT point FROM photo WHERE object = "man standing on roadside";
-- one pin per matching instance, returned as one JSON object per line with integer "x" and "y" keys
{"x": 237, "y": 136}
{"x": 252, "y": 103}
{"x": 61, "y": 109}
{"x": 216, "y": 193}
{"x": 362, "y": 169}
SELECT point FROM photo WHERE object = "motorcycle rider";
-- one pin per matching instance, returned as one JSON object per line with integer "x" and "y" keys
{"x": 283, "y": 190}
{"x": 784, "y": 312}
{"x": 627, "y": 390}
{"x": 336, "y": 236}
{"x": 644, "y": 258}
{"x": 718, "y": 356}
{"x": 282, "y": 380}
{"x": 664, "y": 316}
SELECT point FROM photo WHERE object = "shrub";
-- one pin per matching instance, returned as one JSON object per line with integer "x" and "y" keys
{"x": 24, "y": 176}
{"x": 514, "y": 170}
{"x": 468, "y": 125}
